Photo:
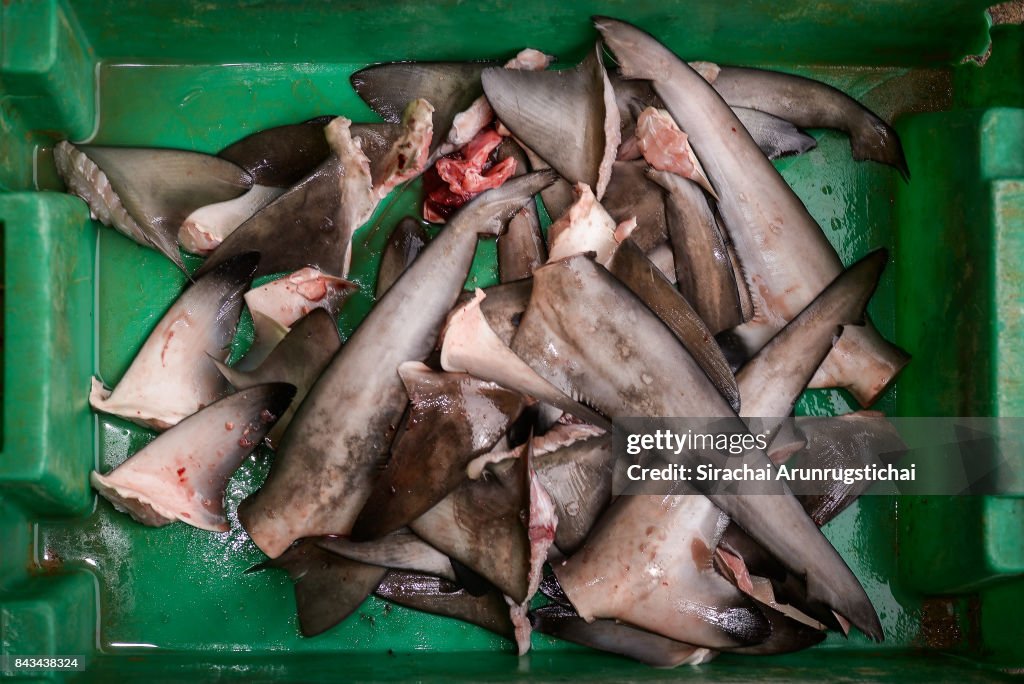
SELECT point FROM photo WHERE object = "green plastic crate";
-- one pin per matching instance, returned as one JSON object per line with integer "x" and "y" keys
{"x": 76, "y": 578}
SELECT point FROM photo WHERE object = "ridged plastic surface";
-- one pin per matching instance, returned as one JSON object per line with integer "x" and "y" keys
{"x": 78, "y": 578}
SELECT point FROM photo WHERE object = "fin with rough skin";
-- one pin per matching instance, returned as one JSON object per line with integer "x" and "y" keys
{"x": 812, "y": 104}
{"x": 850, "y": 441}
{"x": 521, "y": 248}
{"x": 470, "y": 346}
{"x": 328, "y": 588}
{"x": 642, "y": 277}
{"x": 677, "y": 593}
{"x": 588, "y": 335}
{"x": 776, "y": 137}
{"x": 174, "y": 375}
{"x": 182, "y": 474}
{"x": 340, "y": 435}
{"x": 451, "y": 87}
{"x": 441, "y": 597}
{"x": 453, "y": 418}
{"x": 400, "y": 550}
{"x": 147, "y": 193}
{"x": 312, "y": 223}
{"x": 404, "y": 244}
{"x": 298, "y": 360}
{"x": 786, "y": 257}
{"x": 283, "y": 155}
{"x": 703, "y": 269}
{"x": 568, "y": 117}
{"x": 771, "y": 383}
{"x": 489, "y": 525}
{"x": 578, "y": 478}
{"x": 277, "y": 305}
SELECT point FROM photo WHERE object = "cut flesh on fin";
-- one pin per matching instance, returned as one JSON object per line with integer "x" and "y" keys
{"x": 277, "y": 305}
{"x": 182, "y": 474}
{"x": 569, "y": 117}
{"x": 174, "y": 375}
{"x": 588, "y": 335}
{"x": 785, "y": 256}
{"x": 298, "y": 360}
{"x": 147, "y": 193}
{"x": 347, "y": 421}
{"x": 206, "y": 227}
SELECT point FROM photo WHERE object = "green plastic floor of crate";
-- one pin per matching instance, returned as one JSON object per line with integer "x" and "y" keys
{"x": 168, "y": 604}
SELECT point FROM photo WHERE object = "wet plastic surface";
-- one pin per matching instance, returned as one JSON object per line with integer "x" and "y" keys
{"x": 946, "y": 575}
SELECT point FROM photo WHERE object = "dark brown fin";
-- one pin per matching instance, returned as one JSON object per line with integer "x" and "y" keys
{"x": 703, "y": 269}
{"x": 788, "y": 636}
{"x": 635, "y": 270}
{"x": 297, "y": 359}
{"x": 328, "y": 588}
{"x": 568, "y": 117}
{"x": 454, "y": 417}
{"x": 616, "y": 637}
{"x": 521, "y": 248}
{"x": 310, "y": 225}
{"x": 441, "y": 597}
{"x": 483, "y": 523}
{"x": 404, "y": 244}
{"x": 558, "y": 197}
{"x": 158, "y": 188}
{"x": 451, "y": 87}
{"x": 183, "y": 473}
{"x": 550, "y": 587}
{"x": 283, "y": 155}
{"x": 295, "y": 230}
{"x": 632, "y": 194}
{"x": 470, "y": 580}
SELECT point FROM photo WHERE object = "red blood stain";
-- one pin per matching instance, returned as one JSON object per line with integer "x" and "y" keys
{"x": 459, "y": 177}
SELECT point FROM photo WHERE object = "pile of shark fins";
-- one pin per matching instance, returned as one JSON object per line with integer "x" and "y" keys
{"x": 457, "y": 444}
